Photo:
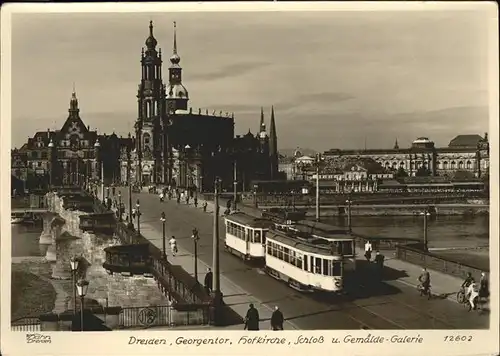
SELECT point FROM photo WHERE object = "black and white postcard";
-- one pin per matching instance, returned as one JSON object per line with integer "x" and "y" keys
{"x": 249, "y": 178}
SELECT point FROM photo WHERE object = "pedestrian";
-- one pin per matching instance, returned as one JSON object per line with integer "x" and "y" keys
{"x": 178, "y": 199}
{"x": 379, "y": 260}
{"x": 113, "y": 189}
{"x": 425, "y": 281}
{"x": 208, "y": 281}
{"x": 173, "y": 245}
{"x": 252, "y": 319}
{"x": 368, "y": 250}
{"x": 277, "y": 319}
{"x": 161, "y": 197}
{"x": 205, "y": 206}
{"x": 195, "y": 202}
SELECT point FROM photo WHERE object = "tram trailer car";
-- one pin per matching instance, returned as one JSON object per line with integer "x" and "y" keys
{"x": 343, "y": 243}
{"x": 305, "y": 264}
{"x": 246, "y": 236}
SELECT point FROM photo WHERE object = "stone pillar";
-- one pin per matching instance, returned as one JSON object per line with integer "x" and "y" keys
{"x": 55, "y": 226}
{"x": 46, "y": 236}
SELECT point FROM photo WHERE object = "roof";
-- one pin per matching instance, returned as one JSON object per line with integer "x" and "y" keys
{"x": 312, "y": 245}
{"x": 248, "y": 220}
{"x": 367, "y": 163}
{"x": 465, "y": 141}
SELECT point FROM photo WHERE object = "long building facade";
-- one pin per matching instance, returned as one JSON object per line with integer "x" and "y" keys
{"x": 173, "y": 144}
{"x": 464, "y": 153}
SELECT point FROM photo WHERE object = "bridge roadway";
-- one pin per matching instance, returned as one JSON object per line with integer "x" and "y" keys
{"x": 392, "y": 306}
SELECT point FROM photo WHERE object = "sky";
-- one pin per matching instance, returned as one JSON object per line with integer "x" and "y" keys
{"x": 336, "y": 79}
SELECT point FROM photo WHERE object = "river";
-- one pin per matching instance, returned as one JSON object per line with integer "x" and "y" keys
{"x": 443, "y": 231}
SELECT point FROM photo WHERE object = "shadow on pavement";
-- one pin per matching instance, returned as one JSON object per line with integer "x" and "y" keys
{"x": 230, "y": 317}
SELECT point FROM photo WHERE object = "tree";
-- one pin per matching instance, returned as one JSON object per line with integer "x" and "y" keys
{"x": 423, "y": 172}
{"x": 401, "y": 173}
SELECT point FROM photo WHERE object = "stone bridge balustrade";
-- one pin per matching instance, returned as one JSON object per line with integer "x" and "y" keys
{"x": 56, "y": 225}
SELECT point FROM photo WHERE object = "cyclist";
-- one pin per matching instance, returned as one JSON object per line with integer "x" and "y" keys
{"x": 425, "y": 280}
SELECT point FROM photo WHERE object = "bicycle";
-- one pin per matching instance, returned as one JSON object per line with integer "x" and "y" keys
{"x": 423, "y": 291}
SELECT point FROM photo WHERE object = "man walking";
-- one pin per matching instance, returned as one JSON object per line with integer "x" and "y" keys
{"x": 252, "y": 319}
{"x": 368, "y": 250}
{"x": 208, "y": 281}
{"x": 379, "y": 260}
{"x": 277, "y": 319}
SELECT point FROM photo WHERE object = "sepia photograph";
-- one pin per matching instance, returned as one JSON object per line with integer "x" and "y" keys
{"x": 210, "y": 170}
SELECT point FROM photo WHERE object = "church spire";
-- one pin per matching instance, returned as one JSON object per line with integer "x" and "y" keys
{"x": 151, "y": 40}
{"x": 273, "y": 146}
{"x": 262, "y": 125}
{"x": 175, "y": 59}
{"x": 396, "y": 145}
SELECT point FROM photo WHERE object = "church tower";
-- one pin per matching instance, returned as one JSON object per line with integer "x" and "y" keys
{"x": 177, "y": 96}
{"x": 151, "y": 109}
{"x": 273, "y": 147}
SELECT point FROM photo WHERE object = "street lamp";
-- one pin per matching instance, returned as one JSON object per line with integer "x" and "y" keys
{"x": 425, "y": 213}
{"x": 163, "y": 220}
{"x": 120, "y": 205}
{"x": 349, "y": 225}
{"x": 188, "y": 171}
{"x": 82, "y": 286}
{"x": 255, "y": 186}
{"x": 235, "y": 183}
{"x": 74, "y": 267}
{"x": 138, "y": 212}
{"x": 195, "y": 238}
{"x": 217, "y": 297}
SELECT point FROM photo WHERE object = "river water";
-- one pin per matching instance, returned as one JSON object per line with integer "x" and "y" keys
{"x": 443, "y": 231}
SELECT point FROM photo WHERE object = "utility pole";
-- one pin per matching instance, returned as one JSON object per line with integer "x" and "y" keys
{"x": 235, "y": 183}
{"x": 102, "y": 181}
{"x": 217, "y": 297}
{"x": 426, "y": 214}
{"x": 129, "y": 181}
{"x": 195, "y": 238}
{"x": 318, "y": 161}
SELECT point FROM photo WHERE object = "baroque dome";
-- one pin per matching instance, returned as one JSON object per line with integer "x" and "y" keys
{"x": 176, "y": 91}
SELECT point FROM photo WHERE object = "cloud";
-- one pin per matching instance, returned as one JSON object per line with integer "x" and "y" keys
{"x": 231, "y": 70}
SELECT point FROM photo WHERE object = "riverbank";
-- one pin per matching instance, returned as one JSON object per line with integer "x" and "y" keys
{"x": 32, "y": 293}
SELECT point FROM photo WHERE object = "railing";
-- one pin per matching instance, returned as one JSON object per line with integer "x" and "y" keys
{"x": 417, "y": 256}
{"x": 26, "y": 324}
{"x": 151, "y": 316}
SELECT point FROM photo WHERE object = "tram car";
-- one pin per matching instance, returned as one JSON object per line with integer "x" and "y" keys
{"x": 343, "y": 243}
{"x": 306, "y": 263}
{"x": 246, "y": 235}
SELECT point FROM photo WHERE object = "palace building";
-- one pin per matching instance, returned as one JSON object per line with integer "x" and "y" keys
{"x": 173, "y": 144}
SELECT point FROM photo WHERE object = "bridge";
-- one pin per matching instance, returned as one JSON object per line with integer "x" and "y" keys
{"x": 29, "y": 210}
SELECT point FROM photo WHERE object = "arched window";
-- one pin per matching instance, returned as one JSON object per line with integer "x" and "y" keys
{"x": 445, "y": 165}
{"x": 452, "y": 165}
{"x": 147, "y": 138}
{"x": 469, "y": 165}
{"x": 460, "y": 165}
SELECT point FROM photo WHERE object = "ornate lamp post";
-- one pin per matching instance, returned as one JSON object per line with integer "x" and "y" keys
{"x": 349, "y": 203}
{"x": 217, "y": 297}
{"x": 255, "y": 186}
{"x": 138, "y": 212}
{"x": 188, "y": 170}
{"x": 426, "y": 214}
{"x": 195, "y": 238}
{"x": 163, "y": 220}
{"x": 119, "y": 206}
{"x": 74, "y": 267}
{"x": 82, "y": 287}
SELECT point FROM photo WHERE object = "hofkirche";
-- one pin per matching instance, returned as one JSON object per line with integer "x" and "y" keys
{"x": 173, "y": 144}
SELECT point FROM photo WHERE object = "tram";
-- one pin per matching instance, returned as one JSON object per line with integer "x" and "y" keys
{"x": 246, "y": 235}
{"x": 306, "y": 263}
{"x": 343, "y": 243}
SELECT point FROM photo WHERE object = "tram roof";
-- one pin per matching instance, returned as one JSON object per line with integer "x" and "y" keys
{"x": 318, "y": 227}
{"x": 248, "y": 220}
{"x": 312, "y": 245}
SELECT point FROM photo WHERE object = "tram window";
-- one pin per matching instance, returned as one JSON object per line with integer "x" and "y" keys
{"x": 269, "y": 249}
{"x": 336, "y": 269}
{"x": 298, "y": 261}
{"x": 292, "y": 258}
{"x": 326, "y": 265}
{"x": 317, "y": 266}
{"x": 250, "y": 235}
{"x": 256, "y": 238}
{"x": 286, "y": 255}
{"x": 280, "y": 252}
{"x": 305, "y": 262}
{"x": 263, "y": 236}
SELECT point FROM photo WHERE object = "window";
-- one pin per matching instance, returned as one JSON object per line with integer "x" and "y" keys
{"x": 326, "y": 266}
{"x": 257, "y": 236}
{"x": 317, "y": 265}
{"x": 305, "y": 262}
{"x": 44, "y": 155}
{"x": 286, "y": 255}
{"x": 336, "y": 269}
{"x": 263, "y": 236}
{"x": 280, "y": 252}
